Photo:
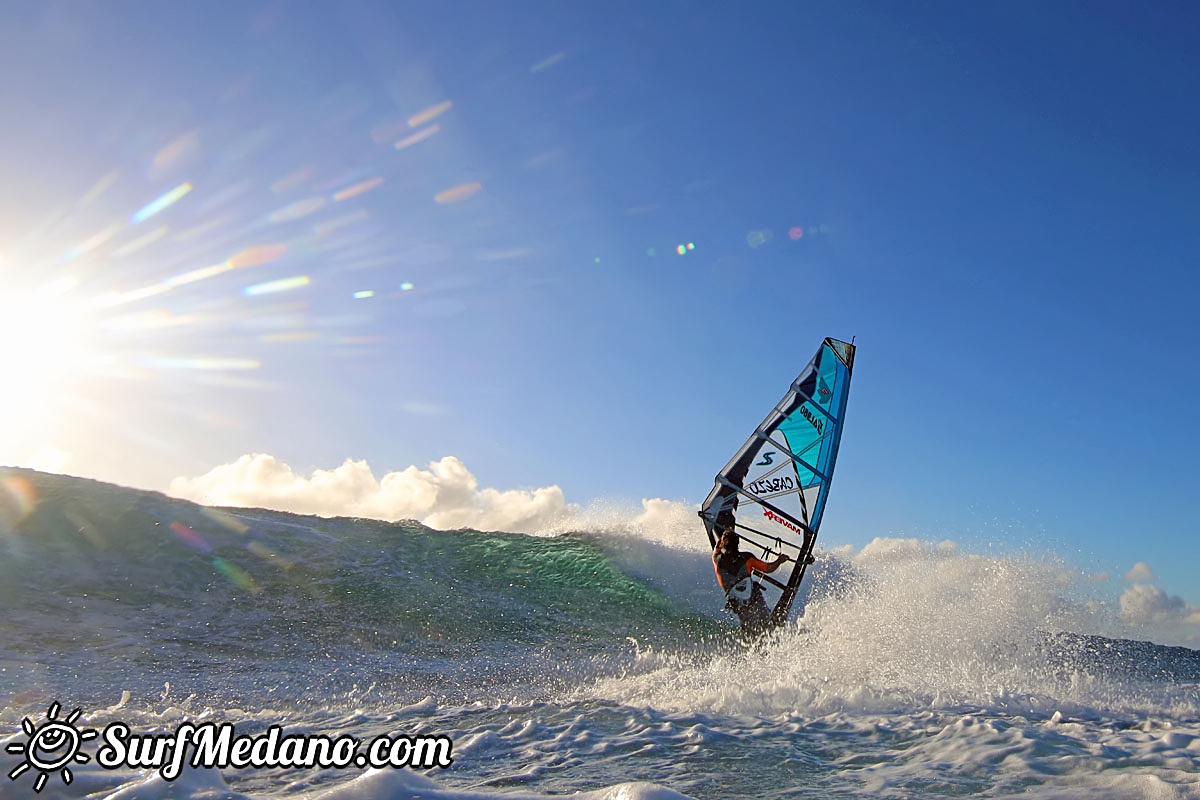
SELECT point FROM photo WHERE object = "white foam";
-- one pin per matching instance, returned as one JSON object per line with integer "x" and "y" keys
{"x": 906, "y": 624}
{"x": 192, "y": 784}
{"x": 404, "y": 785}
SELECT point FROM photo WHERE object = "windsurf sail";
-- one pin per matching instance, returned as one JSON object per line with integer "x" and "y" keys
{"x": 774, "y": 489}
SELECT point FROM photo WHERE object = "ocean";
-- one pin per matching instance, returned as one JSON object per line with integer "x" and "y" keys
{"x": 591, "y": 663}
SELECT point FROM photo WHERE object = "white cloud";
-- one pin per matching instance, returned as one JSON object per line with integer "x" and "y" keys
{"x": 1151, "y": 611}
{"x": 1144, "y": 604}
{"x": 445, "y": 496}
{"x": 883, "y": 547}
{"x": 1140, "y": 572}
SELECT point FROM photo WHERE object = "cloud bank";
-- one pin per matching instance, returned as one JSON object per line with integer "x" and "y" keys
{"x": 1144, "y": 604}
{"x": 444, "y": 496}
{"x": 1140, "y": 572}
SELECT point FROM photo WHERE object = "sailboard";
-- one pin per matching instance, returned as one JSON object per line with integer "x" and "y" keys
{"x": 774, "y": 490}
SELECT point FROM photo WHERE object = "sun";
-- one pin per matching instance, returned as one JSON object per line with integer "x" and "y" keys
{"x": 51, "y": 746}
{"x": 41, "y": 331}
{"x": 45, "y": 345}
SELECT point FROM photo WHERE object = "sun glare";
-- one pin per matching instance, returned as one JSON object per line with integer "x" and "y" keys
{"x": 43, "y": 336}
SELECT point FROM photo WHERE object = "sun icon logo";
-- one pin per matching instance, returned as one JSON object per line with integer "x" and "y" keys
{"x": 51, "y": 746}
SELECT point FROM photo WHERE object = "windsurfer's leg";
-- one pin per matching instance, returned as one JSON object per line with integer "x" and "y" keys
{"x": 754, "y": 615}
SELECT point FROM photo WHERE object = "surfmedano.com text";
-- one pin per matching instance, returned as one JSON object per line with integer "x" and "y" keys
{"x": 214, "y": 745}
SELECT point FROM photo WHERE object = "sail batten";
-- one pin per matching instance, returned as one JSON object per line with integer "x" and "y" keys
{"x": 777, "y": 483}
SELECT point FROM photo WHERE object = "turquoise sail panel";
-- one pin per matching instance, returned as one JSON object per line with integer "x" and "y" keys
{"x": 774, "y": 490}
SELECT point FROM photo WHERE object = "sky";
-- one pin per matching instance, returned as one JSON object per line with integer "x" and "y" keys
{"x": 493, "y": 263}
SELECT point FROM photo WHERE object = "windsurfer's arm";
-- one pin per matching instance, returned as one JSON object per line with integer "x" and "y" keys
{"x": 758, "y": 565}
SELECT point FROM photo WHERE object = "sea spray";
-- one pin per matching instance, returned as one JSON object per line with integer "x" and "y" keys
{"x": 904, "y": 623}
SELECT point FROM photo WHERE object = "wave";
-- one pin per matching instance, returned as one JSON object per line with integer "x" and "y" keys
{"x": 108, "y": 588}
{"x": 115, "y": 578}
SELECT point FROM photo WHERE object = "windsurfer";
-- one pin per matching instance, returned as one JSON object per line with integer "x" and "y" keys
{"x": 743, "y": 594}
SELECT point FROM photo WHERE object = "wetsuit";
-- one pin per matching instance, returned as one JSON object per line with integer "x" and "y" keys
{"x": 734, "y": 568}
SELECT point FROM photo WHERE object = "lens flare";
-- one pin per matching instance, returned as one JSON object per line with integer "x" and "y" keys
{"x": 165, "y": 201}
{"x": 180, "y": 149}
{"x": 269, "y": 556}
{"x": 337, "y": 223}
{"x": 281, "y": 285}
{"x": 758, "y": 238}
{"x": 198, "y": 274}
{"x": 429, "y": 114}
{"x": 18, "y": 499}
{"x": 250, "y": 257}
{"x": 419, "y": 136}
{"x": 357, "y": 189}
{"x": 236, "y": 575}
{"x": 92, "y": 243}
{"x": 548, "y": 62}
{"x": 288, "y": 337}
{"x": 225, "y": 518}
{"x": 190, "y": 537}
{"x": 459, "y": 193}
{"x": 292, "y": 180}
{"x": 298, "y": 210}
{"x": 255, "y": 256}
{"x": 132, "y": 247}
{"x": 101, "y": 186}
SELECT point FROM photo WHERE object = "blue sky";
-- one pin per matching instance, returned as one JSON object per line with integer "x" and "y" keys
{"x": 1000, "y": 201}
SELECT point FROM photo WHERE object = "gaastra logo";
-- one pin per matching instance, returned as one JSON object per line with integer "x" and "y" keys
{"x": 766, "y": 459}
{"x": 813, "y": 419}
{"x": 823, "y": 391}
